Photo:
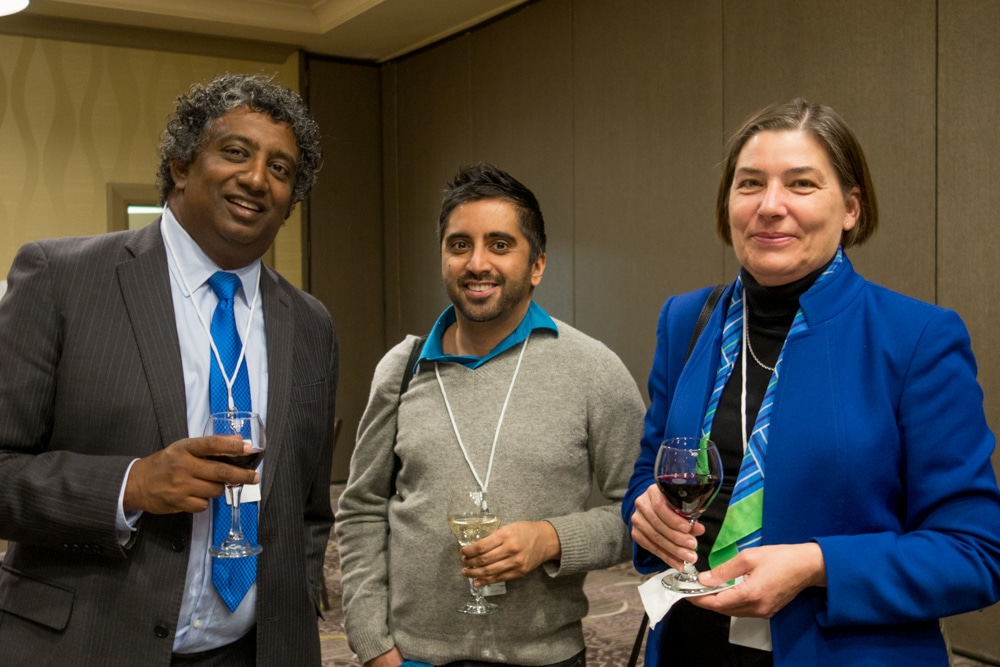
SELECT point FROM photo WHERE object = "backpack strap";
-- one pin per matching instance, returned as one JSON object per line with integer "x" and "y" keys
{"x": 703, "y": 316}
{"x": 410, "y": 363}
{"x": 404, "y": 384}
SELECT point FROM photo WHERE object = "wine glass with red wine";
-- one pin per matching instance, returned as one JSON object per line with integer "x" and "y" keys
{"x": 249, "y": 426}
{"x": 689, "y": 474}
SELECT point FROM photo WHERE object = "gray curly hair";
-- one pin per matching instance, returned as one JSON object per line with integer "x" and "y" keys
{"x": 196, "y": 110}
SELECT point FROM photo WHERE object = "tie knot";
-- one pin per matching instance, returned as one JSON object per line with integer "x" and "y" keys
{"x": 224, "y": 284}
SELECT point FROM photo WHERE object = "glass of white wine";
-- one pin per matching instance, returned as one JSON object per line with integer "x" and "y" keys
{"x": 472, "y": 515}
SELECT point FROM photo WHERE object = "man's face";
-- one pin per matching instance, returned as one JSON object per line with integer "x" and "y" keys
{"x": 485, "y": 263}
{"x": 235, "y": 195}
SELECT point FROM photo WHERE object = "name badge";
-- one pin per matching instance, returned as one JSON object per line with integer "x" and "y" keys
{"x": 251, "y": 494}
{"x": 493, "y": 589}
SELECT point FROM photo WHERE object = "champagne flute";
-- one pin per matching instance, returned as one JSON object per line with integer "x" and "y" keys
{"x": 472, "y": 515}
{"x": 689, "y": 474}
{"x": 249, "y": 426}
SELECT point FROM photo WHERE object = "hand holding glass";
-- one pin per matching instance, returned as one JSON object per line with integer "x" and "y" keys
{"x": 472, "y": 515}
{"x": 689, "y": 474}
{"x": 251, "y": 428}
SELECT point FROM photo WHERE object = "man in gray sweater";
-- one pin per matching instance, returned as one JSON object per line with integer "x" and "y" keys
{"x": 506, "y": 399}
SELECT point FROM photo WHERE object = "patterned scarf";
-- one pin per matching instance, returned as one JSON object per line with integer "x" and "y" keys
{"x": 741, "y": 528}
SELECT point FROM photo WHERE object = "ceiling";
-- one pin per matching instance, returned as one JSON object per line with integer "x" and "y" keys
{"x": 370, "y": 30}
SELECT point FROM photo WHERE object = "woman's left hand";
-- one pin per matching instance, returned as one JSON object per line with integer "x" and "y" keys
{"x": 772, "y": 577}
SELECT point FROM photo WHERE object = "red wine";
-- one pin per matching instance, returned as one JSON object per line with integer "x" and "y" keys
{"x": 248, "y": 461}
{"x": 689, "y": 494}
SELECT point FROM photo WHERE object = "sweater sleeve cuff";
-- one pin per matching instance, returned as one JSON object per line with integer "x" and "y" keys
{"x": 573, "y": 546}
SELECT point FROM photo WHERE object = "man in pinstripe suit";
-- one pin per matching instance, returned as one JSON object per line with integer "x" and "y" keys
{"x": 104, "y": 365}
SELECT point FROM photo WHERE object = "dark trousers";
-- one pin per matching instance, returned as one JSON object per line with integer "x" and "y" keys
{"x": 241, "y": 653}
{"x": 696, "y": 636}
{"x": 578, "y": 660}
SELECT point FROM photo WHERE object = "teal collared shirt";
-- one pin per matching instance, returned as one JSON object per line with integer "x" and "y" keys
{"x": 536, "y": 318}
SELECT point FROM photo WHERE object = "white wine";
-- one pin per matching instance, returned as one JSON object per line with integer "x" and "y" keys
{"x": 469, "y": 529}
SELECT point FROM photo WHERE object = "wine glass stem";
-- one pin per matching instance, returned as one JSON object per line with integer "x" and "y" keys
{"x": 235, "y": 492}
{"x": 689, "y": 573}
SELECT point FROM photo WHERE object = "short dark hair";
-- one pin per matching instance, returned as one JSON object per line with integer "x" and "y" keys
{"x": 197, "y": 109}
{"x": 487, "y": 181}
{"x": 841, "y": 146}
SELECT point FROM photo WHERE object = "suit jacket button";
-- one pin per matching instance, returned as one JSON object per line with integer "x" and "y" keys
{"x": 178, "y": 544}
{"x": 161, "y": 631}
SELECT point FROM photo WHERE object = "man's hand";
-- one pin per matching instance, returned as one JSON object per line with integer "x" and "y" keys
{"x": 179, "y": 478}
{"x": 511, "y": 552}
{"x": 772, "y": 577}
{"x": 663, "y": 532}
{"x": 391, "y": 658}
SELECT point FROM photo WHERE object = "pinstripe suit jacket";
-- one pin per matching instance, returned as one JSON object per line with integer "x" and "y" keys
{"x": 91, "y": 378}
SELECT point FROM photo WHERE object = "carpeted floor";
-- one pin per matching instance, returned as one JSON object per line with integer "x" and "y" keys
{"x": 609, "y": 628}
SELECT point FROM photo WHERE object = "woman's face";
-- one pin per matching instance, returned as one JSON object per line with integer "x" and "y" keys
{"x": 786, "y": 207}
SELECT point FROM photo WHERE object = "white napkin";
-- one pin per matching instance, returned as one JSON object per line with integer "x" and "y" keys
{"x": 657, "y": 600}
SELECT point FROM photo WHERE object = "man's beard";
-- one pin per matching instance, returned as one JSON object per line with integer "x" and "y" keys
{"x": 512, "y": 293}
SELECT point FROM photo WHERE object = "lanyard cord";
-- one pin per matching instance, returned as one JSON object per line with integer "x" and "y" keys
{"x": 743, "y": 391}
{"x": 208, "y": 330}
{"x": 483, "y": 484}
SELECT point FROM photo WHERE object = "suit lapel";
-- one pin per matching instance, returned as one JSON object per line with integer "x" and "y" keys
{"x": 279, "y": 328}
{"x": 145, "y": 284}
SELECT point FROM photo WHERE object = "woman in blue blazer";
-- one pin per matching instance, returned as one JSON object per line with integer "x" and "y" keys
{"x": 859, "y": 408}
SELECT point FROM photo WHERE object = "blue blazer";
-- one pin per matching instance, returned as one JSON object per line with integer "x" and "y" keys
{"x": 879, "y": 451}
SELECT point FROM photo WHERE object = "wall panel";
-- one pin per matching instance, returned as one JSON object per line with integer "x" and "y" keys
{"x": 967, "y": 267}
{"x": 647, "y": 134}
{"x": 433, "y": 117}
{"x": 346, "y": 233}
{"x": 874, "y": 62}
{"x": 75, "y": 117}
{"x": 522, "y": 120}
{"x": 502, "y": 94}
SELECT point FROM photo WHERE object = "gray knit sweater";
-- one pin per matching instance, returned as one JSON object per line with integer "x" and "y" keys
{"x": 575, "y": 414}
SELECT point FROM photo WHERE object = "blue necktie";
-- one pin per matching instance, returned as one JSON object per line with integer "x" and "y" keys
{"x": 232, "y": 577}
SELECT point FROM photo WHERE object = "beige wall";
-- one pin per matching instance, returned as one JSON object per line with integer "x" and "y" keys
{"x": 75, "y": 117}
{"x": 615, "y": 115}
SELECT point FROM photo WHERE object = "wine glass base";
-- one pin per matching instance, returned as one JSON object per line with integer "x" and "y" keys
{"x": 478, "y": 608}
{"x": 673, "y": 582}
{"x": 235, "y": 550}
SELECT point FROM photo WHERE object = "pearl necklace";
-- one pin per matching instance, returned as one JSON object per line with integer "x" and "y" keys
{"x": 746, "y": 337}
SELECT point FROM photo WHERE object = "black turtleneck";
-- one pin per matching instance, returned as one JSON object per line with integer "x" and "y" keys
{"x": 771, "y": 311}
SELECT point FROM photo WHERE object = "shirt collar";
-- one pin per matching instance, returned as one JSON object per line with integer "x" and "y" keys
{"x": 194, "y": 265}
{"x": 535, "y": 319}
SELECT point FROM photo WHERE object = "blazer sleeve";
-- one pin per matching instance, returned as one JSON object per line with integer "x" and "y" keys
{"x": 945, "y": 559}
{"x": 317, "y": 511}
{"x": 673, "y": 334}
{"x": 62, "y": 497}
